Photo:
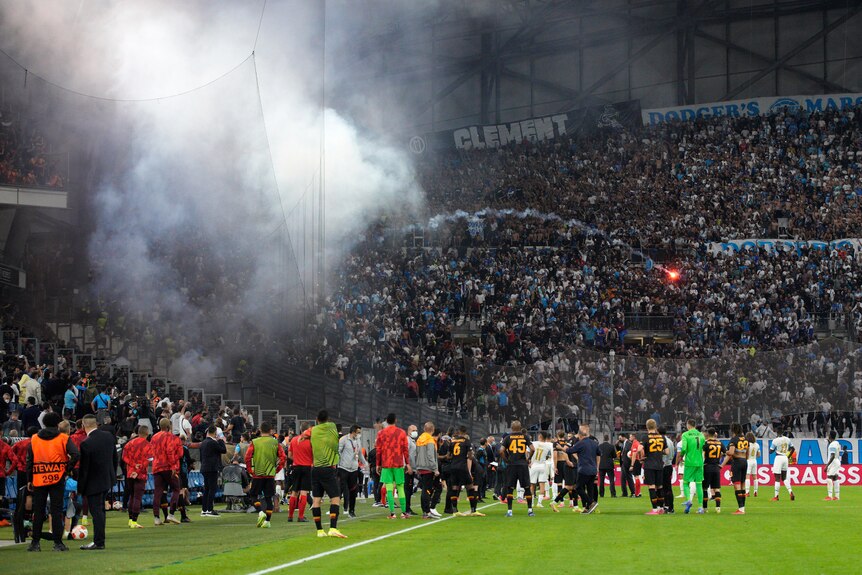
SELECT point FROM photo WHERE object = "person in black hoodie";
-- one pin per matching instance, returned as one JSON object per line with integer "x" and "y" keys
{"x": 30, "y": 414}
{"x": 211, "y": 450}
{"x": 50, "y": 456}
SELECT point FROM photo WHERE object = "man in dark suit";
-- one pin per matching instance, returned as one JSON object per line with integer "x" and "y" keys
{"x": 628, "y": 482}
{"x": 97, "y": 476}
{"x": 606, "y": 466}
{"x": 211, "y": 452}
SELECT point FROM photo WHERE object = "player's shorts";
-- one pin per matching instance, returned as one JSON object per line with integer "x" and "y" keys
{"x": 692, "y": 473}
{"x": 280, "y": 475}
{"x": 780, "y": 464}
{"x": 458, "y": 477}
{"x": 738, "y": 469}
{"x": 394, "y": 475}
{"x": 570, "y": 475}
{"x": 558, "y": 473}
{"x": 324, "y": 480}
{"x": 654, "y": 477}
{"x": 516, "y": 474}
{"x": 300, "y": 478}
{"x": 752, "y": 467}
{"x": 833, "y": 468}
{"x": 539, "y": 473}
{"x": 712, "y": 477}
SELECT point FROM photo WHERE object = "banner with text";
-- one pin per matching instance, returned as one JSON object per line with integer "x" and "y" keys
{"x": 751, "y": 107}
{"x": 810, "y": 465}
{"x": 770, "y": 245}
{"x": 574, "y": 122}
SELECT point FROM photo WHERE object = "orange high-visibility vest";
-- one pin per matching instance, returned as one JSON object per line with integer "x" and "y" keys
{"x": 49, "y": 459}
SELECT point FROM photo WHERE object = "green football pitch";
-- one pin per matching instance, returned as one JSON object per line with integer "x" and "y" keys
{"x": 804, "y": 536}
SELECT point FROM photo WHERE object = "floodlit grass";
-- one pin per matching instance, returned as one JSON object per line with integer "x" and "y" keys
{"x": 805, "y": 536}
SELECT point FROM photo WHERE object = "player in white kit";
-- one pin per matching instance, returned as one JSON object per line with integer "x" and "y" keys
{"x": 781, "y": 447}
{"x": 751, "y": 473}
{"x": 680, "y": 471}
{"x": 542, "y": 452}
{"x": 833, "y": 468}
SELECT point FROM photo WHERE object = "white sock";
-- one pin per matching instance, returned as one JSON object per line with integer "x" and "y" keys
{"x": 828, "y": 487}
{"x": 692, "y": 490}
{"x": 747, "y": 485}
{"x": 787, "y": 485}
{"x": 837, "y": 484}
{"x": 756, "y": 483}
{"x": 777, "y": 487}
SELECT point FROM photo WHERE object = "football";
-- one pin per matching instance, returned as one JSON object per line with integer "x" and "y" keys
{"x": 79, "y": 532}
{"x": 118, "y": 505}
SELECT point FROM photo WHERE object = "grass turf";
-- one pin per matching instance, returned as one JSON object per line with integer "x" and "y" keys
{"x": 804, "y": 536}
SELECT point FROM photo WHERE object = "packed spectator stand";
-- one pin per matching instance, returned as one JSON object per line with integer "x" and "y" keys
{"x": 542, "y": 249}
{"x": 26, "y": 157}
{"x": 532, "y": 265}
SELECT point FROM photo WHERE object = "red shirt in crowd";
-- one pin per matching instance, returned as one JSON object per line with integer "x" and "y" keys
{"x": 392, "y": 449}
{"x": 20, "y": 450}
{"x": 7, "y": 455}
{"x": 167, "y": 451}
{"x": 78, "y": 438}
{"x": 301, "y": 450}
{"x": 136, "y": 456}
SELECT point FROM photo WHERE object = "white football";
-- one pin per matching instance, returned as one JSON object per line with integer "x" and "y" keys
{"x": 118, "y": 505}
{"x": 79, "y": 532}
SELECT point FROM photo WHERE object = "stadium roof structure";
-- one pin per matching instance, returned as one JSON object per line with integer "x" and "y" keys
{"x": 482, "y": 61}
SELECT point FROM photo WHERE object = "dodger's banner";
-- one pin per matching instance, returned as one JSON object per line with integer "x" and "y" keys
{"x": 751, "y": 107}
{"x": 574, "y": 122}
{"x": 770, "y": 245}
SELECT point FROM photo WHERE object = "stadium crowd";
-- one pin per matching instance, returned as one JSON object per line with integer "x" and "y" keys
{"x": 25, "y": 155}
{"x": 543, "y": 244}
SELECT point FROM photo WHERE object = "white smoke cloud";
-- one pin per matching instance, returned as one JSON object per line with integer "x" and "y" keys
{"x": 200, "y": 161}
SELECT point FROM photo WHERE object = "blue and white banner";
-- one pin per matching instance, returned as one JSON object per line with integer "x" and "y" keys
{"x": 735, "y": 246}
{"x": 751, "y": 107}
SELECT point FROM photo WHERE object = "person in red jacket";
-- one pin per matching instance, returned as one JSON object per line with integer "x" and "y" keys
{"x": 636, "y": 465}
{"x": 136, "y": 455}
{"x": 20, "y": 450}
{"x": 78, "y": 438}
{"x": 7, "y": 456}
{"x": 300, "y": 472}
{"x": 393, "y": 455}
{"x": 167, "y": 451}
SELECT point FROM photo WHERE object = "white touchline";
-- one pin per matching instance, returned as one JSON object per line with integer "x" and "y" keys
{"x": 353, "y": 545}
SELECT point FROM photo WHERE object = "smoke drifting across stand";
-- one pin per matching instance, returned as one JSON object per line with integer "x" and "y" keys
{"x": 189, "y": 194}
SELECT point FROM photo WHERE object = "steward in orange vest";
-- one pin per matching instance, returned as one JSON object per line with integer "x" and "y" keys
{"x": 50, "y": 455}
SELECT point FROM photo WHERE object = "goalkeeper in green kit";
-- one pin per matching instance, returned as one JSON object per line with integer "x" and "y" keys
{"x": 691, "y": 453}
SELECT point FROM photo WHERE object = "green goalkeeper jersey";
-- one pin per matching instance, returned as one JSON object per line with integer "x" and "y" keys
{"x": 692, "y": 448}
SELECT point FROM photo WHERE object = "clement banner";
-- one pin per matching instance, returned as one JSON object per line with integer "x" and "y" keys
{"x": 751, "y": 107}
{"x": 617, "y": 116}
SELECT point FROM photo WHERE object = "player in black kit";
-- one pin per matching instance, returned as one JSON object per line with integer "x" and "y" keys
{"x": 737, "y": 454}
{"x": 461, "y": 473}
{"x": 517, "y": 450}
{"x": 713, "y": 453}
{"x": 651, "y": 452}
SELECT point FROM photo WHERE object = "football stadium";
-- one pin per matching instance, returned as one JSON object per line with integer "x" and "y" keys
{"x": 438, "y": 286}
